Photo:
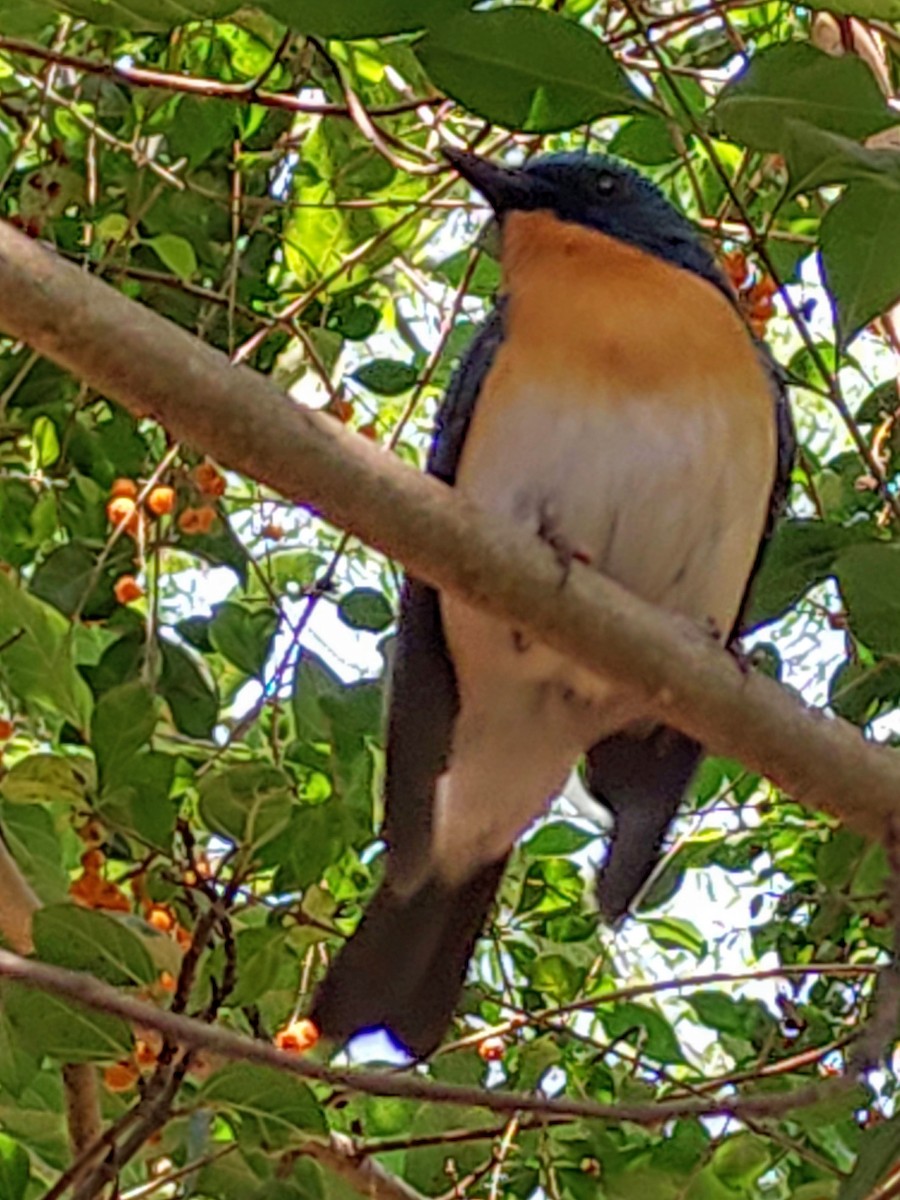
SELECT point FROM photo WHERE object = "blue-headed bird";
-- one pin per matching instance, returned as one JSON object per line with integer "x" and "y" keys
{"x": 615, "y": 405}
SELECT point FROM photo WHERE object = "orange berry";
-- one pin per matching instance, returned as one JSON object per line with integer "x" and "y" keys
{"x": 161, "y": 501}
{"x": 183, "y": 937}
{"x": 342, "y": 409}
{"x": 145, "y": 1054}
{"x": 122, "y": 510}
{"x": 124, "y": 487}
{"x": 297, "y": 1036}
{"x": 209, "y": 480}
{"x": 491, "y": 1049}
{"x": 161, "y": 918}
{"x": 92, "y": 861}
{"x": 168, "y": 982}
{"x": 189, "y": 879}
{"x": 273, "y": 532}
{"x": 369, "y": 431}
{"x": 112, "y": 898}
{"x": 127, "y": 589}
{"x": 735, "y": 264}
{"x": 91, "y": 833}
{"x": 7, "y": 729}
{"x": 765, "y": 287}
{"x": 197, "y": 520}
{"x": 120, "y": 1077}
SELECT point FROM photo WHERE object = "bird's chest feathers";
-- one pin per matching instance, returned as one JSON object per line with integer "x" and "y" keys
{"x": 627, "y": 417}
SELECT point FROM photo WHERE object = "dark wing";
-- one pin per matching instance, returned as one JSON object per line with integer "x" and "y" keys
{"x": 405, "y": 965}
{"x": 641, "y": 778}
{"x": 424, "y": 702}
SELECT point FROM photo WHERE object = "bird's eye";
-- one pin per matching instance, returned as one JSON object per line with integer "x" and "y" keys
{"x": 606, "y": 184}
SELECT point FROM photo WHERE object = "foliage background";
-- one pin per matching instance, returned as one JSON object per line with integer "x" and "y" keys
{"x": 190, "y": 778}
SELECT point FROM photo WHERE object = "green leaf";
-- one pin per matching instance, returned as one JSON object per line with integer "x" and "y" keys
{"x": 17, "y": 1066}
{"x": 878, "y": 1151}
{"x": 795, "y": 82}
{"x": 314, "y": 681}
{"x": 386, "y": 377}
{"x": 741, "y": 1159}
{"x": 141, "y": 14}
{"x": 67, "y": 578}
{"x": 42, "y": 778}
{"x": 645, "y": 140}
{"x": 315, "y": 838}
{"x": 360, "y": 18}
{"x": 30, "y": 833}
{"x": 37, "y": 657}
{"x": 676, "y": 933}
{"x": 657, "y": 1037}
{"x": 558, "y": 839}
{"x": 177, "y": 253}
{"x": 85, "y": 940}
{"x": 801, "y": 555}
{"x": 366, "y": 608}
{"x": 815, "y": 158}
{"x": 243, "y": 635}
{"x": 138, "y": 800}
{"x": 869, "y": 577}
{"x": 250, "y": 803}
{"x": 260, "y": 956}
{"x": 123, "y": 724}
{"x": 44, "y": 442}
{"x": 860, "y": 246}
{"x": 191, "y": 697}
{"x": 49, "y": 1025}
{"x": 14, "y": 1169}
{"x": 198, "y": 131}
{"x": 860, "y": 692}
{"x": 526, "y": 68}
{"x": 267, "y": 1107}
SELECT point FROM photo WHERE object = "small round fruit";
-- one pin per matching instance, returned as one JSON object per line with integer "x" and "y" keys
{"x": 124, "y": 487}
{"x": 161, "y": 501}
{"x": 127, "y": 589}
{"x": 491, "y": 1049}
{"x": 297, "y": 1036}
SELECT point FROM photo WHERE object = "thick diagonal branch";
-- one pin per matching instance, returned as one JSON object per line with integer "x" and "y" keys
{"x": 676, "y": 671}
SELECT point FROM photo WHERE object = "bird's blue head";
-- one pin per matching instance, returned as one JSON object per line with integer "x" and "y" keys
{"x": 598, "y": 192}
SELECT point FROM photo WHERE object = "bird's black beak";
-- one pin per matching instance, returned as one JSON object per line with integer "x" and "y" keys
{"x": 504, "y": 188}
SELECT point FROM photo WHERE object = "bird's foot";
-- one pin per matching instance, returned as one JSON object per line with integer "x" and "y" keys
{"x": 711, "y": 627}
{"x": 565, "y": 550}
{"x": 743, "y": 658}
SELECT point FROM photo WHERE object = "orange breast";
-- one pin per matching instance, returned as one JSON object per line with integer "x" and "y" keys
{"x": 588, "y": 308}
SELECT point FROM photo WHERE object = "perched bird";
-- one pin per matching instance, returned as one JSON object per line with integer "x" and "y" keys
{"x": 615, "y": 404}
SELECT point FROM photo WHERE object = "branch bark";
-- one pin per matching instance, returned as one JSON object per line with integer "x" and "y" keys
{"x": 18, "y": 904}
{"x": 86, "y": 990}
{"x": 364, "y": 1175}
{"x": 673, "y": 669}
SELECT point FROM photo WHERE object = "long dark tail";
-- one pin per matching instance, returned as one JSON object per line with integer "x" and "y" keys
{"x": 404, "y": 967}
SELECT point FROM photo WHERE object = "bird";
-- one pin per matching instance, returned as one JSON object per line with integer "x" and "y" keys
{"x": 616, "y": 405}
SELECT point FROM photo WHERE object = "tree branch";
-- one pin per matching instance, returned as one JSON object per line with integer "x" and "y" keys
{"x": 670, "y": 666}
{"x": 364, "y": 1175}
{"x": 211, "y": 89}
{"x": 85, "y": 990}
{"x": 18, "y": 904}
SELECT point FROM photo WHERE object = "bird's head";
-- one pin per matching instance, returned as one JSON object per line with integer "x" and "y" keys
{"x": 598, "y": 192}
